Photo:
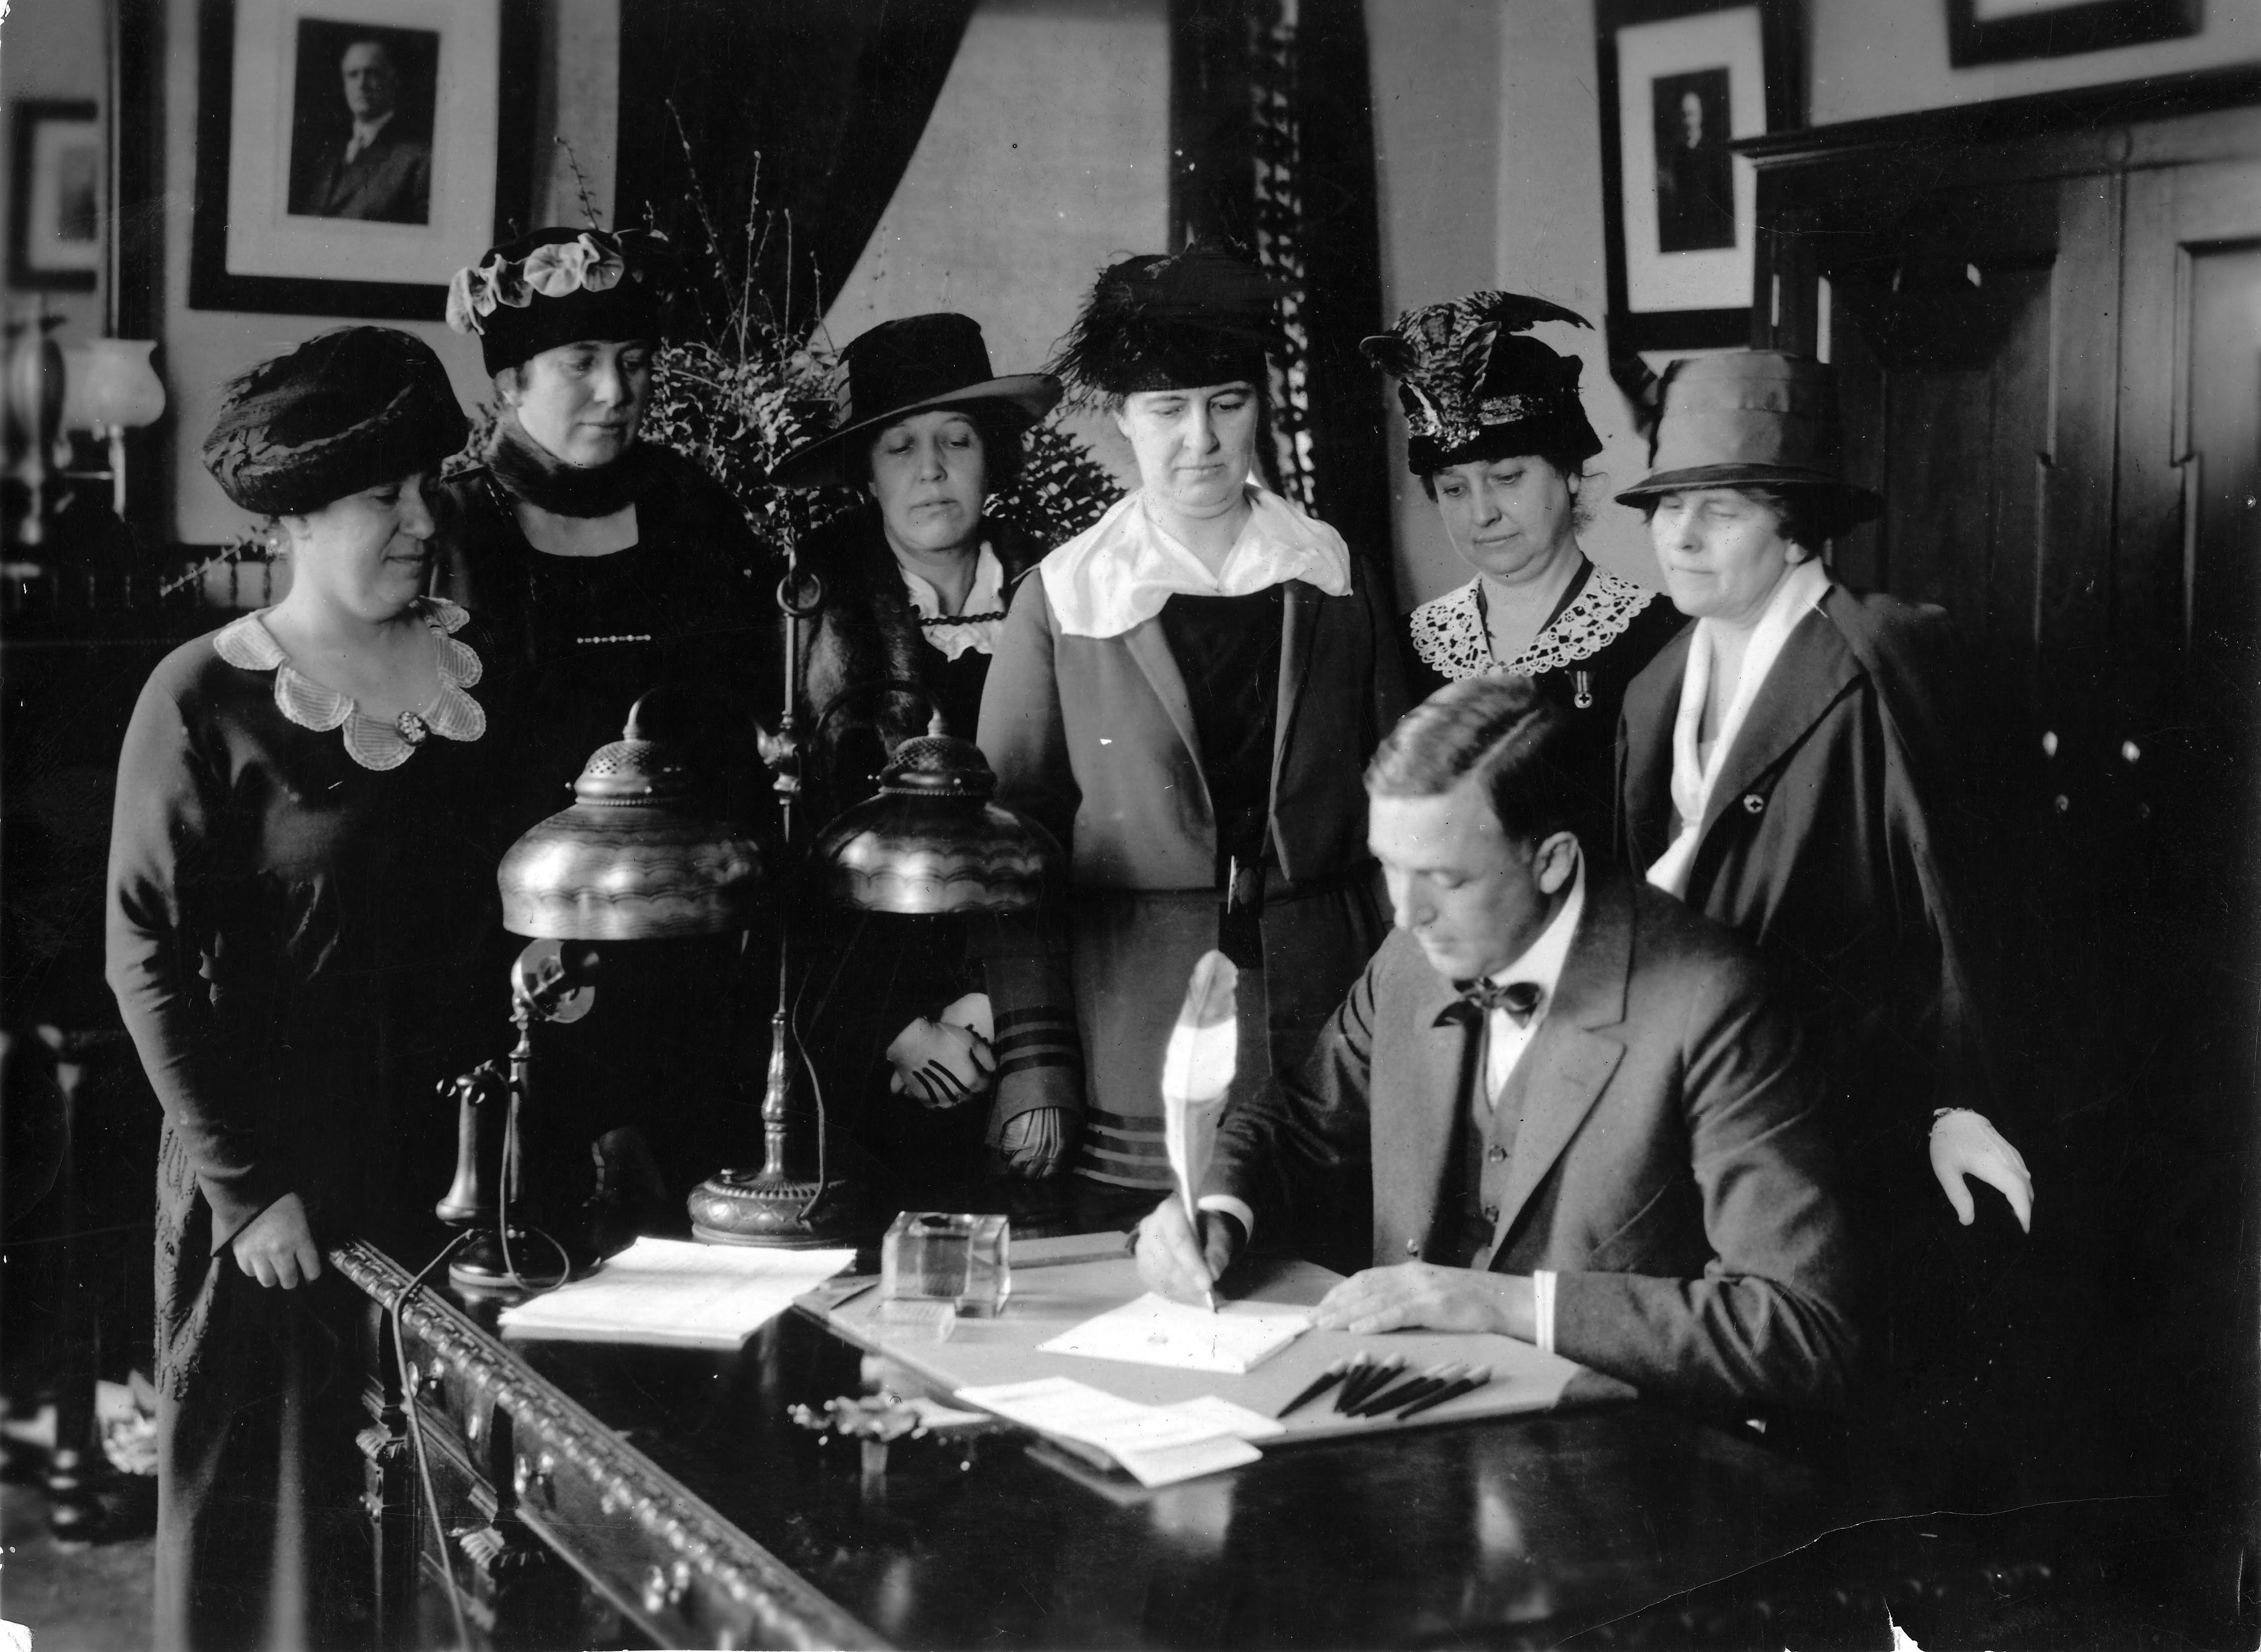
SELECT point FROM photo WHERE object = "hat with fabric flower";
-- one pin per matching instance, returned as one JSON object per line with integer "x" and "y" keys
{"x": 1208, "y": 315}
{"x": 561, "y": 286}
{"x": 1474, "y": 388}
{"x": 343, "y": 411}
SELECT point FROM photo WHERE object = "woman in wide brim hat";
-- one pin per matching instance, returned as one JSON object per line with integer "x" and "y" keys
{"x": 607, "y": 567}
{"x": 1499, "y": 437}
{"x": 301, "y": 876}
{"x": 1186, "y": 694}
{"x": 1795, "y": 766}
{"x": 915, "y": 582}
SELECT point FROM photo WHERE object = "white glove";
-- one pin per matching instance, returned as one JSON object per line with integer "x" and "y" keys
{"x": 940, "y": 1065}
{"x": 1964, "y": 1143}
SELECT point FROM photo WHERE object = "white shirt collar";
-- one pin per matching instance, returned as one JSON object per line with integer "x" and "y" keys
{"x": 987, "y": 598}
{"x": 1117, "y": 573}
{"x": 1542, "y": 961}
{"x": 365, "y": 132}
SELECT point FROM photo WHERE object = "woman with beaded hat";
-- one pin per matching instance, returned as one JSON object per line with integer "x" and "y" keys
{"x": 1496, "y": 433}
{"x": 301, "y": 878}
{"x": 1793, "y": 766}
{"x": 915, "y": 580}
{"x": 1186, "y": 694}
{"x": 606, "y": 568}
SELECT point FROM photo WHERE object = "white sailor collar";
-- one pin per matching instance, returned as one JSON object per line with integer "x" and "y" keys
{"x": 372, "y": 742}
{"x": 1117, "y": 573}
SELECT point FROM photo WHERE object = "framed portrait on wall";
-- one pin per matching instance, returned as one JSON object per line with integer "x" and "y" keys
{"x": 55, "y": 240}
{"x": 351, "y": 155}
{"x": 1681, "y": 81}
{"x": 2004, "y": 31}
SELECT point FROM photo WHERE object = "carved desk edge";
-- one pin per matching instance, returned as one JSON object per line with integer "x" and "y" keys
{"x": 706, "y": 1583}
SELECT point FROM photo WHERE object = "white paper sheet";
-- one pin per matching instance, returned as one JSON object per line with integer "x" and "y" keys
{"x": 1160, "y": 1445}
{"x": 1152, "y": 1330}
{"x": 675, "y": 1294}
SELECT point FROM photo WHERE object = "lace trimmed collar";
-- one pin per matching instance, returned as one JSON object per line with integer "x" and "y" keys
{"x": 1118, "y": 572}
{"x": 373, "y": 743}
{"x": 1452, "y": 638}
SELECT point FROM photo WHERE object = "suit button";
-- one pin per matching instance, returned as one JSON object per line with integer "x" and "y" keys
{"x": 1753, "y": 803}
{"x": 1494, "y": 1155}
{"x": 1491, "y": 1213}
{"x": 1412, "y": 1246}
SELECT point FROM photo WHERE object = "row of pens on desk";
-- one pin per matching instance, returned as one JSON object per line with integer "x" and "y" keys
{"x": 1365, "y": 1386}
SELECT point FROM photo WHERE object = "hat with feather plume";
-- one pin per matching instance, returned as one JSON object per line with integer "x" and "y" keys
{"x": 1208, "y": 315}
{"x": 1475, "y": 388}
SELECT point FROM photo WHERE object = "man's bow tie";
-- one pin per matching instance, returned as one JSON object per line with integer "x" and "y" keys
{"x": 1520, "y": 999}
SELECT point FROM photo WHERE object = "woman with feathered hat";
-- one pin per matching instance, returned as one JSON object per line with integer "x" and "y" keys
{"x": 301, "y": 880}
{"x": 1794, "y": 765}
{"x": 1496, "y": 433}
{"x": 1185, "y": 695}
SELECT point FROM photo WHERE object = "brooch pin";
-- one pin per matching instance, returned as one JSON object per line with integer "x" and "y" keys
{"x": 413, "y": 728}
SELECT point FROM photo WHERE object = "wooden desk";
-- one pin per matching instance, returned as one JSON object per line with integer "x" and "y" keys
{"x": 607, "y": 1493}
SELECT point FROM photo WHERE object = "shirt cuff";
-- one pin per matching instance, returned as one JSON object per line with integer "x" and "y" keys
{"x": 1235, "y": 1208}
{"x": 1542, "y": 1309}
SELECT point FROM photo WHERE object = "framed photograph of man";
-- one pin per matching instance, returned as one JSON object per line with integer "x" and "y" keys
{"x": 1681, "y": 81}
{"x": 352, "y": 153}
{"x": 55, "y": 240}
{"x": 2004, "y": 31}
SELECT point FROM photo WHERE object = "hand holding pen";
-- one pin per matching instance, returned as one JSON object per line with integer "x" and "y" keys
{"x": 1172, "y": 1263}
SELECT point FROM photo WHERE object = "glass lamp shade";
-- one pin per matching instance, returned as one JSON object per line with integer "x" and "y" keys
{"x": 110, "y": 383}
{"x": 934, "y": 840}
{"x": 630, "y": 860}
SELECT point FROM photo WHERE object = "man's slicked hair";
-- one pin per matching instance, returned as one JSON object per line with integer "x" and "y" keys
{"x": 1501, "y": 731}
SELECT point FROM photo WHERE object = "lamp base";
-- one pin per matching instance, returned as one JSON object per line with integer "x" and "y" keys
{"x": 754, "y": 1207}
{"x": 482, "y": 1270}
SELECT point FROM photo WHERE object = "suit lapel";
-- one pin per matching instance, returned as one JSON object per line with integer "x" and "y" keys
{"x": 1569, "y": 1063}
{"x": 1420, "y": 1145}
{"x": 1299, "y": 617}
{"x": 1652, "y": 703}
{"x": 1813, "y": 669}
{"x": 1151, "y": 648}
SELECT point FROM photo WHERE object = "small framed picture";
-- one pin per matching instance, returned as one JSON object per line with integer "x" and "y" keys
{"x": 351, "y": 155}
{"x": 2003, "y": 31}
{"x": 56, "y": 240}
{"x": 1679, "y": 82}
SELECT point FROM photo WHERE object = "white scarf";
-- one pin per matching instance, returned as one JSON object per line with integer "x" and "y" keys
{"x": 987, "y": 597}
{"x": 1118, "y": 572}
{"x": 1801, "y": 590}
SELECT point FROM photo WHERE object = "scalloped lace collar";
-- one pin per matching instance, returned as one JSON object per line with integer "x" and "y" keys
{"x": 1452, "y": 640}
{"x": 372, "y": 742}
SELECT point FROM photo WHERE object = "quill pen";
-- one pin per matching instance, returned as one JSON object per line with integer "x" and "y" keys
{"x": 1196, "y": 1072}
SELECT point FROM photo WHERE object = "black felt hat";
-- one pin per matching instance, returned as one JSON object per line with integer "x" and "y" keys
{"x": 1208, "y": 315}
{"x": 343, "y": 411}
{"x": 913, "y": 365}
{"x": 1474, "y": 388}
{"x": 561, "y": 286}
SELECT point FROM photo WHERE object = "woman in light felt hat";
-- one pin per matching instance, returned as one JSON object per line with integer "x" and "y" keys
{"x": 1792, "y": 767}
{"x": 1186, "y": 694}
{"x": 915, "y": 583}
{"x": 1496, "y": 433}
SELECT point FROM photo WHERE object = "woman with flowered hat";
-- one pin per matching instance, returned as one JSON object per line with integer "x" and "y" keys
{"x": 1795, "y": 766}
{"x": 1496, "y": 431}
{"x": 1186, "y": 694}
{"x": 301, "y": 878}
{"x": 607, "y": 567}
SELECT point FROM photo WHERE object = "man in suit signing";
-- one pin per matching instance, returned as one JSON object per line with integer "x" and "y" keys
{"x": 1584, "y": 1125}
{"x": 379, "y": 172}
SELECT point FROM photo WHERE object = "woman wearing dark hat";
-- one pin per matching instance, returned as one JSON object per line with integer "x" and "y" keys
{"x": 1792, "y": 768}
{"x": 603, "y": 566}
{"x": 1185, "y": 695}
{"x": 1496, "y": 431}
{"x": 606, "y": 568}
{"x": 299, "y": 879}
{"x": 915, "y": 584}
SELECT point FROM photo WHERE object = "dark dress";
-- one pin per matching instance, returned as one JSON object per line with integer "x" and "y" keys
{"x": 576, "y": 640}
{"x": 295, "y": 941}
{"x": 1602, "y": 632}
{"x": 871, "y": 680}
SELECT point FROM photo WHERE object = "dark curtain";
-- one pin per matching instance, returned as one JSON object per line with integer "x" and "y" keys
{"x": 1272, "y": 143}
{"x": 819, "y": 104}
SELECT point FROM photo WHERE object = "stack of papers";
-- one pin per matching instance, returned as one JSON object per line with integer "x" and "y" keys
{"x": 1235, "y": 1338}
{"x": 1160, "y": 1445}
{"x": 675, "y": 1294}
